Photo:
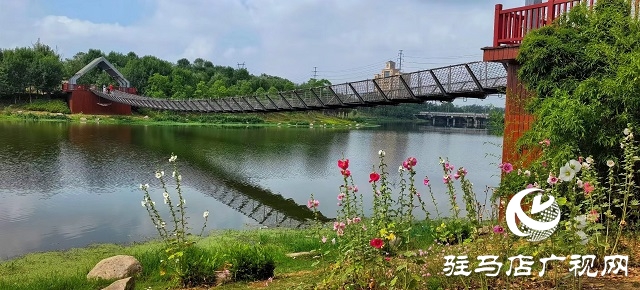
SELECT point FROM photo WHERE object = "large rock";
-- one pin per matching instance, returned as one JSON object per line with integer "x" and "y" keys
{"x": 116, "y": 267}
{"x": 122, "y": 284}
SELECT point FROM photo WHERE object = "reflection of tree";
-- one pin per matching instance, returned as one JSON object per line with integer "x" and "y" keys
{"x": 221, "y": 181}
{"x": 30, "y": 153}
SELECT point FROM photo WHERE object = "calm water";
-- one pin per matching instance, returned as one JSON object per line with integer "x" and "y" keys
{"x": 71, "y": 185}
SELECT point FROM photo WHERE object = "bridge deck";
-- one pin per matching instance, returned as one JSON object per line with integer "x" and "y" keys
{"x": 470, "y": 80}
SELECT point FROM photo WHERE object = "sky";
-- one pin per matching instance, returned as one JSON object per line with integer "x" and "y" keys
{"x": 342, "y": 40}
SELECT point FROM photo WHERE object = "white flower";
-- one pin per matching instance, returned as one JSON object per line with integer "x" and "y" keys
{"x": 583, "y": 237}
{"x": 205, "y": 214}
{"x": 610, "y": 163}
{"x": 589, "y": 160}
{"x": 144, "y": 186}
{"x": 585, "y": 165}
{"x": 333, "y": 241}
{"x": 582, "y": 221}
{"x": 173, "y": 174}
{"x": 566, "y": 173}
{"x": 173, "y": 158}
{"x": 381, "y": 153}
{"x": 184, "y": 201}
{"x": 527, "y": 173}
{"x": 144, "y": 204}
{"x": 163, "y": 224}
{"x": 166, "y": 200}
{"x": 626, "y": 131}
{"x": 179, "y": 177}
{"x": 158, "y": 175}
{"x": 579, "y": 183}
{"x": 165, "y": 194}
{"x": 575, "y": 165}
{"x": 400, "y": 169}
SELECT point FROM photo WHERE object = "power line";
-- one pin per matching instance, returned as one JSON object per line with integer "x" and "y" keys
{"x": 400, "y": 60}
{"x": 240, "y": 64}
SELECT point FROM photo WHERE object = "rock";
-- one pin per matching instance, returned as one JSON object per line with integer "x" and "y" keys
{"x": 295, "y": 255}
{"x": 116, "y": 267}
{"x": 83, "y": 119}
{"x": 122, "y": 284}
{"x": 146, "y": 117}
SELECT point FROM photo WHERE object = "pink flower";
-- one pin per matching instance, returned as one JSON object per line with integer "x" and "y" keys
{"x": 373, "y": 177}
{"x": 498, "y": 229}
{"x": 346, "y": 173}
{"x": 412, "y": 161}
{"x": 338, "y": 226}
{"x": 343, "y": 164}
{"x": 456, "y": 176}
{"x": 355, "y": 188}
{"x": 313, "y": 203}
{"x": 341, "y": 196}
{"x": 356, "y": 220}
{"x": 552, "y": 179}
{"x": 426, "y": 181}
{"x": 593, "y": 215}
{"x": 530, "y": 185}
{"x": 545, "y": 142}
{"x": 340, "y": 232}
{"x": 324, "y": 239}
{"x": 377, "y": 243}
{"x": 506, "y": 167}
{"x": 588, "y": 188}
{"x": 446, "y": 179}
{"x": 406, "y": 165}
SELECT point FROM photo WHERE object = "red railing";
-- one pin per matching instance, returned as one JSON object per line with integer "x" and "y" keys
{"x": 66, "y": 87}
{"x": 511, "y": 25}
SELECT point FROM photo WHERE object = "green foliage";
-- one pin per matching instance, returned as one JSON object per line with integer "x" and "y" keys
{"x": 36, "y": 69}
{"x": 585, "y": 72}
{"x": 250, "y": 262}
{"x": 52, "y": 106}
{"x": 453, "y": 231}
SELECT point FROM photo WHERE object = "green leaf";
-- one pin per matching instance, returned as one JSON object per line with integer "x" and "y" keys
{"x": 561, "y": 200}
{"x": 393, "y": 282}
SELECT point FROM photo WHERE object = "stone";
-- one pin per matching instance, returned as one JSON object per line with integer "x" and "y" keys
{"x": 122, "y": 284}
{"x": 116, "y": 267}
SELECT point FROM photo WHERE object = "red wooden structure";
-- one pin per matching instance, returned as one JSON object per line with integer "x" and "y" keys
{"x": 510, "y": 27}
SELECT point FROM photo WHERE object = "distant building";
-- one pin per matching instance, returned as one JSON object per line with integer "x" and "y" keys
{"x": 387, "y": 81}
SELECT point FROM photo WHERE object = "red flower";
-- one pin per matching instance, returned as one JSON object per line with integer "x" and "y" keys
{"x": 343, "y": 164}
{"x": 588, "y": 188}
{"x": 377, "y": 243}
{"x": 346, "y": 173}
{"x": 373, "y": 177}
{"x": 412, "y": 161}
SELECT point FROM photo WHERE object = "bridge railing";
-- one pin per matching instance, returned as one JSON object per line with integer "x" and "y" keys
{"x": 511, "y": 25}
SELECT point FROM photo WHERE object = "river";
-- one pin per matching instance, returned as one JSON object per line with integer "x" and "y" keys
{"x": 70, "y": 185}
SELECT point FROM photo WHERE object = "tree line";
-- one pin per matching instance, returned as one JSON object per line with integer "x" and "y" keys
{"x": 40, "y": 69}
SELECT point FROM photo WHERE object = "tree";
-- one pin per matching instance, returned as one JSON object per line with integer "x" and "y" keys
{"x": 585, "y": 72}
{"x": 158, "y": 86}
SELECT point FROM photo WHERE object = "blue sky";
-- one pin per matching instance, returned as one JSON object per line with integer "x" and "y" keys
{"x": 346, "y": 40}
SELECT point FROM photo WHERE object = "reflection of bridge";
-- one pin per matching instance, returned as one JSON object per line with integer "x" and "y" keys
{"x": 458, "y": 120}
{"x": 471, "y": 80}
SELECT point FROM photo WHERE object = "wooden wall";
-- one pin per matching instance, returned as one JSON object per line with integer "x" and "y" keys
{"x": 86, "y": 102}
{"x": 516, "y": 120}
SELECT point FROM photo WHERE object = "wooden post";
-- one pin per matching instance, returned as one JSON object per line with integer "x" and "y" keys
{"x": 496, "y": 25}
{"x": 551, "y": 11}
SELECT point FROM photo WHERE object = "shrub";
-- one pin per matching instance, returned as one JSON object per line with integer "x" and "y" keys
{"x": 250, "y": 262}
{"x": 52, "y": 106}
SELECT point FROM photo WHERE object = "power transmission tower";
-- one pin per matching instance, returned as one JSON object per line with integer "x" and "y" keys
{"x": 315, "y": 72}
{"x": 240, "y": 64}
{"x": 400, "y": 60}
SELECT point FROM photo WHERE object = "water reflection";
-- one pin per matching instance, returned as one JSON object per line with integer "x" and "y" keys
{"x": 69, "y": 185}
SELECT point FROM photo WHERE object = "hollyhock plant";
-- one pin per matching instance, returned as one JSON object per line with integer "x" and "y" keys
{"x": 552, "y": 179}
{"x": 426, "y": 181}
{"x": 588, "y": 188}
{"x": 346, "y": 172}
{"x": 313, "y": 203}
{"x": 498, "y": 229}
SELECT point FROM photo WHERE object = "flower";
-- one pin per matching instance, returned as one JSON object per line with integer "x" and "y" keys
{"x": 579, "y": 183}
{"x": 205, "y": 214}
{"x": 377, "y": 243}
{"x": 545, "y": 142}
{"x": 610, "y": 163}
{"x": 173, "y": 158}
{"x": 589, "y": 160}
{"x": 338, "y": 226}
{"x": 527, "y": 173}
{"x": 567, "y": 173}
{"x": 144, "y": 204}
{"x": 343, "y": 164}
{"x": 456, "y": 176}
{"x": 552, "y": 179}
{"x": 346, "y": 172}
{"x": 585, "y": 165}
{"x": 506, "y": 167}
{"x": 373, "y": 177}
{"x": 313, "y": 203}
{"x": 498, "y": 229}
{"x": 324, "y": 239}
{"x": 333, "y": 241}
{"x": 588, "y": 188}
{"x": 355, "y": 188}
{"x": 574, "y": 164}
{"x": 446, "y": 179}
{"x": 426, "y": 181}
{"x": 165, "y": 194}
{"x": 356, "y": 220}
{"x": 412, "y": 161}
{"x": 381, "y": 153}
{"x": 626, "y": 131}
{"x": 400, "y": 169}
{"x": 593, "y": 215}
{"x": 529, "y": 185}
{"x": 341, "y": 196}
